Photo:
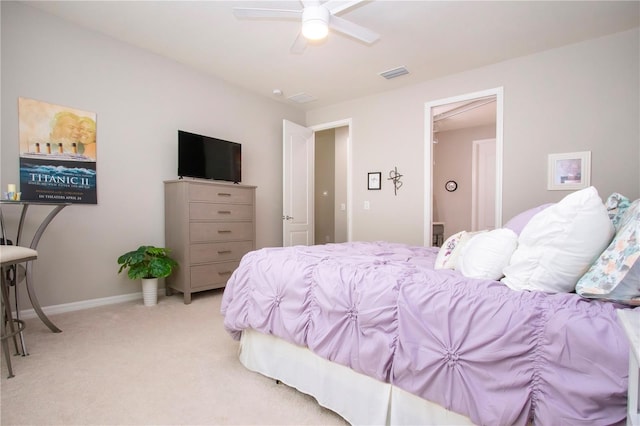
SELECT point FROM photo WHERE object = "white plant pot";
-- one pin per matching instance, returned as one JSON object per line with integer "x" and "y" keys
{"x": 150, "y": 291}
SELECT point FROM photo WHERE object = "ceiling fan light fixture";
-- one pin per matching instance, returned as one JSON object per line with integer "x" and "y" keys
{"x": 315, "y": 29}
{"x": 315, "y": 22}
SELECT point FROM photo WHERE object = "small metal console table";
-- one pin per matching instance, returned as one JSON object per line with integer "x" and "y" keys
{"x": 57, "y": 207}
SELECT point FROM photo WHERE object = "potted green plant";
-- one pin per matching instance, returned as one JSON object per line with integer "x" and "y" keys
{"x": 148, "y": 263}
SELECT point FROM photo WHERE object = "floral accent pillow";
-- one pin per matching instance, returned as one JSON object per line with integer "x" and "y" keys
{"x": 616, "y": 205}
{"x": 448, "y": 254}
{"x": 616, "y": 273}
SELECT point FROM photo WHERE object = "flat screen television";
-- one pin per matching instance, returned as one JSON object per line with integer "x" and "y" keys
{"x": 209, "y": 158}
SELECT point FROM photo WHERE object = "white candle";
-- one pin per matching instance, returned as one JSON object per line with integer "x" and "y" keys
{"x": 11, "y": 188}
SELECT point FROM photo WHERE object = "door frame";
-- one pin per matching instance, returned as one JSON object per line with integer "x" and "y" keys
{"x": 332, "y": 125}
{"x": 498, "y": 92}
{"x": 475, "y": 185}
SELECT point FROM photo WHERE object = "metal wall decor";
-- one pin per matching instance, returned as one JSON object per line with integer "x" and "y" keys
{"x": 394, "y": 176}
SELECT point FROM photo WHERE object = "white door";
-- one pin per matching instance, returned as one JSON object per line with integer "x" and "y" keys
{"x": 298, "y": 145}
{"x": 483, "y": 185}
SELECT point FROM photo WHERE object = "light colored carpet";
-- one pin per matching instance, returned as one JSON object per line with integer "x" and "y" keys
{"x": 128, "y": 364}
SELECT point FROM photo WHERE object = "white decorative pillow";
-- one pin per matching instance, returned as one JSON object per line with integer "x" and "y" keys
{"x": 519, "y": 221}
{"x": 448, "y": 254}
{"x": 616, "y": 273}
{"x": 486, "y": 254}
{"x": 559, "y": 244}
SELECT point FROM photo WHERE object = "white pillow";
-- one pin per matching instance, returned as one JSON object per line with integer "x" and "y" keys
{"x": 486, "y": 254}
{"x": 559, "y": 244}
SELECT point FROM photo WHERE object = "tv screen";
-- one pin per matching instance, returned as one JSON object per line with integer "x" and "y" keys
{"x": 209, "y": 158}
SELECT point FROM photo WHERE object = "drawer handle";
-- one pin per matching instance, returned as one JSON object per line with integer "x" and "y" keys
{"x": 224, "y": 194}
{"x": 224, "y": 212}
{"x": 224, "y": 231}
{"x": 224, "y": 273}
{"x": 224, "y": 251}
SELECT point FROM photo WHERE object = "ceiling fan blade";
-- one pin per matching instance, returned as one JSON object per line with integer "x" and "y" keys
{"x": 299, "y": 45}
{"x": 337, "y": 6}
{"x": 308, "y": 3}
{"x": 248, "y": 12}
{"x": 353, "y": 30}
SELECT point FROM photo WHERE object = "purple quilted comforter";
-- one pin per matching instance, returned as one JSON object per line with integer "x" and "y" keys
{"x": 475, "y": 347}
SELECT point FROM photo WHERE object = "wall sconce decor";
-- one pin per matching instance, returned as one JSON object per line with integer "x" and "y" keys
{"x": 374, "y": 180}
{"x": 394, "y": 176}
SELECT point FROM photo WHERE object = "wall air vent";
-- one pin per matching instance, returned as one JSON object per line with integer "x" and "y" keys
{"x": 302, "y": 98}
{"x": 396, "y": 72}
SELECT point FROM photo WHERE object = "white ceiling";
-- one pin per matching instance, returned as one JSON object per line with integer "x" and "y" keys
{"x": 431, "y": 38}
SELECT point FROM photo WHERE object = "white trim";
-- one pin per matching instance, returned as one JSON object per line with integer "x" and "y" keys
{"x": 498, "y": 92}
{"x": 85, "y": 304}
{"x": 474, "y": 182}
{"x": 428, "y": 174}
{"x": 499, "y": 153}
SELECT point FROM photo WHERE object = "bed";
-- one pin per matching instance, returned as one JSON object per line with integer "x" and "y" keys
{"x": 378, "y": 333}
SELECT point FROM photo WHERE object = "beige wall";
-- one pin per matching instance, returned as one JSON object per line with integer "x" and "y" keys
{"x": 141, "y": 100}
{"x": 325, "y": 194}
{"x": 583, "y": 97}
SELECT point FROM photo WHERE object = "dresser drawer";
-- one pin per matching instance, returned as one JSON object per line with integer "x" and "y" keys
{"x": 217, "y": 252}
{"x": 220, "y": 194}
{"x": 214, "y": 231}
{"x": 215, "y": 273}
{"x": 211, "y": 211}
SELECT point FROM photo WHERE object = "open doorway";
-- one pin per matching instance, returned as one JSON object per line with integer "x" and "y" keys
{"x": 316, "y": 178}
{"x": 330, "y": 183}
{"x": 463, "y": 164}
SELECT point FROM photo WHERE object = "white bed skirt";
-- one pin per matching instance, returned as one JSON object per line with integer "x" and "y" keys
{"x": 359, "y": 399}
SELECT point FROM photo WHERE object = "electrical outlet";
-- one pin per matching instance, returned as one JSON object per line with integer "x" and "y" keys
{"x": 367, "y": 206}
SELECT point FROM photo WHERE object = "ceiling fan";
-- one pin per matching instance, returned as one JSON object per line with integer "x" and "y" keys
{"x": 317, "y": 18}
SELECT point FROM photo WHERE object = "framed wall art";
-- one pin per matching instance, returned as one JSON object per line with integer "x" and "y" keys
{"x": 374, "y": 180}
{"x": 57, "y": 153}
{"x": 569, "y": 171}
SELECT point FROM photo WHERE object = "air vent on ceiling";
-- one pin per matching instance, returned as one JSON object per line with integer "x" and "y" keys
{"x": 301, "y": 98}
{"x": 396, "y": 72}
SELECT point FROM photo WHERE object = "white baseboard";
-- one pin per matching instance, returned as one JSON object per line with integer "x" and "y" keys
{"x": 84, "y": 304}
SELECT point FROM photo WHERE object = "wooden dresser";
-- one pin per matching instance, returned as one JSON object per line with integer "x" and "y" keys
{"x": 209, "y": 226}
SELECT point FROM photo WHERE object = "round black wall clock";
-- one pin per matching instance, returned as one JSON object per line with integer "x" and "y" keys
{"x": 451, "y": 185}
